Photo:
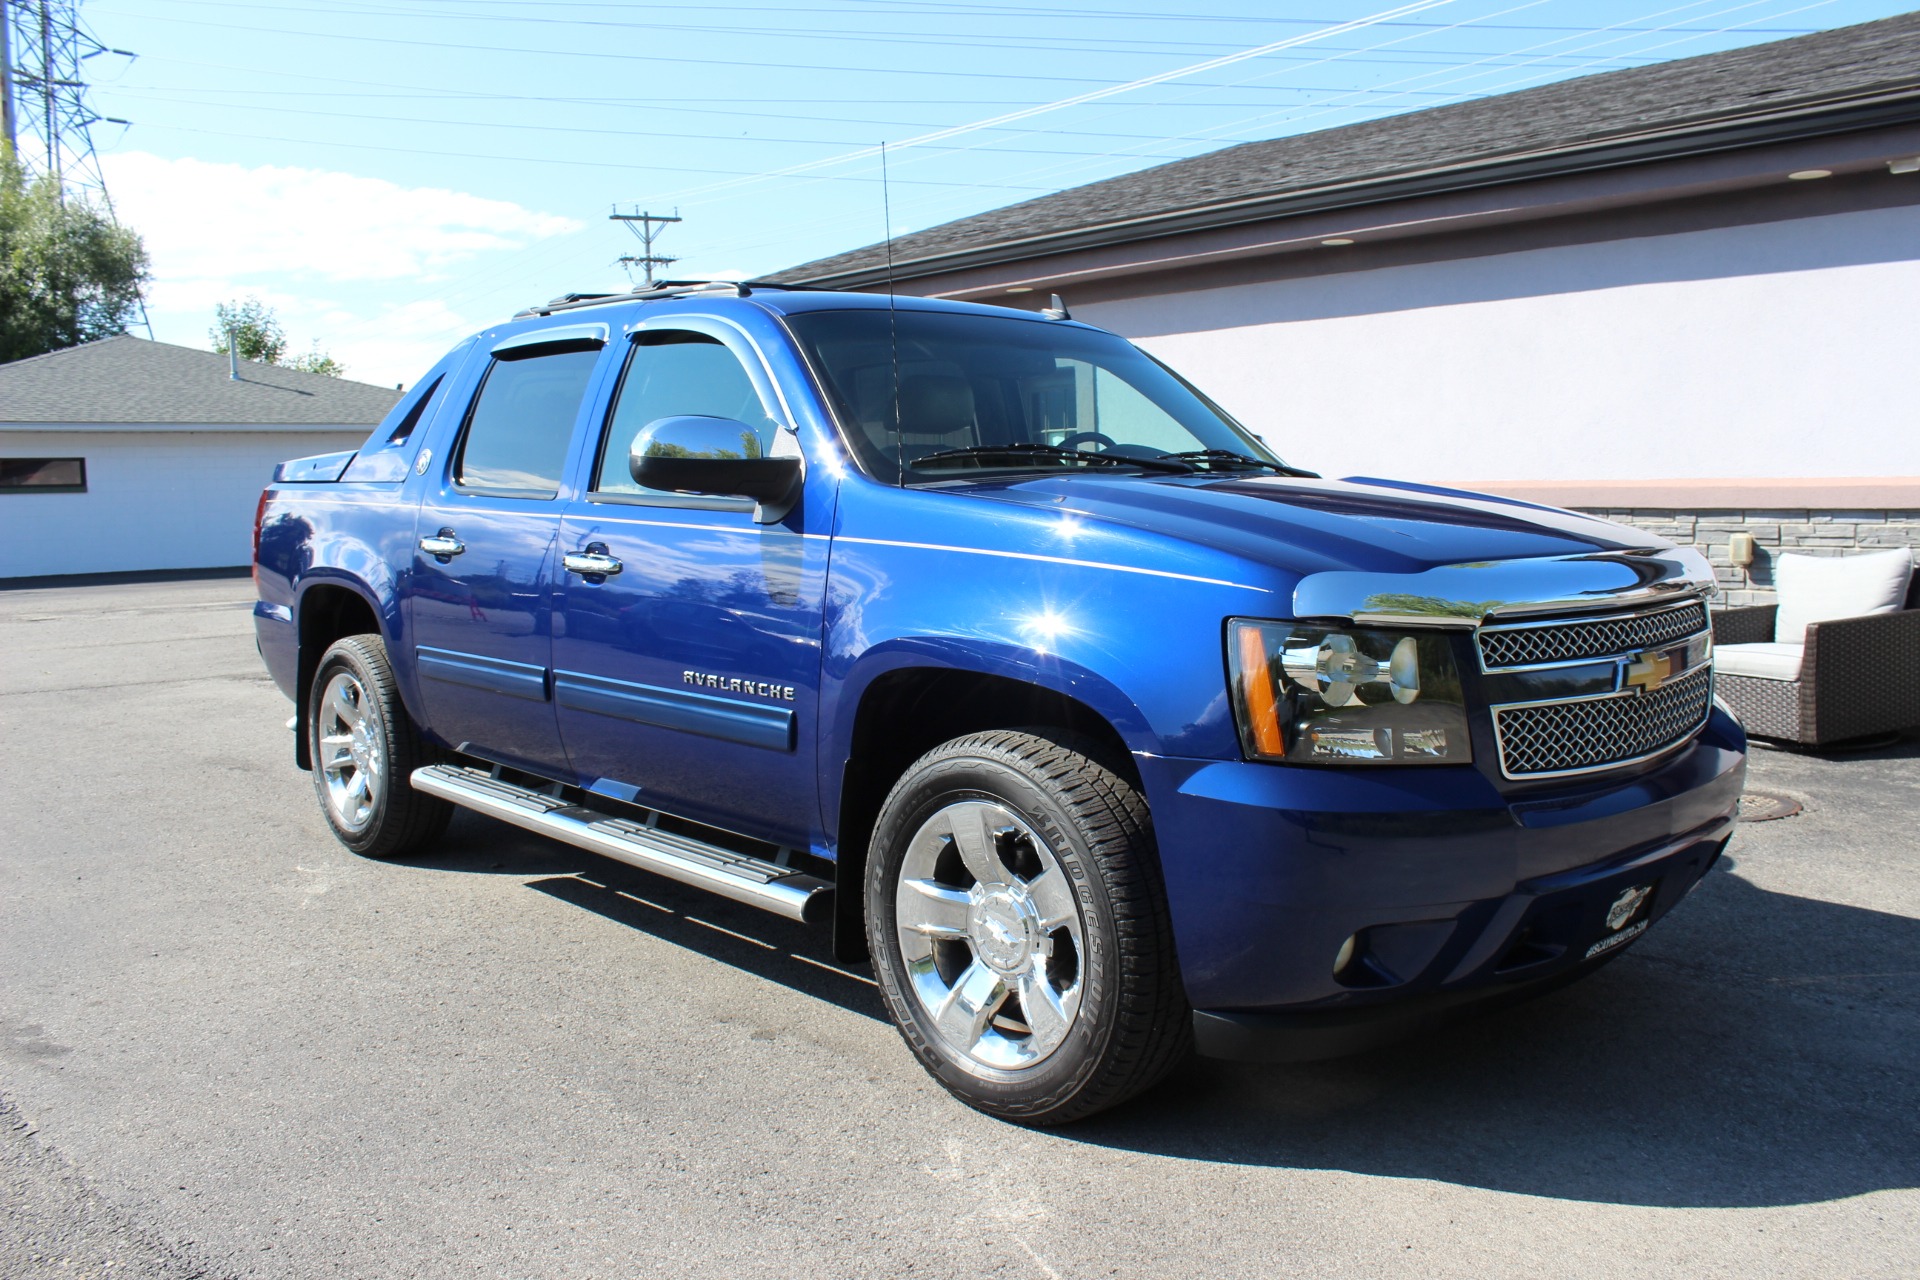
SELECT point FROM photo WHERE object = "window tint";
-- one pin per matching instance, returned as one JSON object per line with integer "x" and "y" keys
{"x": 43, "y": 475}
{"x": 968, "y": 381}
{"x": 518, "y": 429}
{"x": 670, "y": 374}
{"x": 411, "y": 419}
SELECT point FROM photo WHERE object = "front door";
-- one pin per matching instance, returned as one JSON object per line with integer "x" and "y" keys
{"x": 688, "y": 680}
{"x": 480, "y": 592}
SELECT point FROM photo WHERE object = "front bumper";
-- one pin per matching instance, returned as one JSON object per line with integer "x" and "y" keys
{"x": 1454, "y": 891}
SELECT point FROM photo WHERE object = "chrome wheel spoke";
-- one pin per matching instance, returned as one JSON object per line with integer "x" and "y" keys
{"x": 975, "y": 839}
{"x": 1046, "y": 1016}
{"x": 340, "y": 702}
{"x": 347, "y": 751}
{"x": 1053, "y": 898}
{"x": 932, "y": 909}
{"x": 964, "y": 1014}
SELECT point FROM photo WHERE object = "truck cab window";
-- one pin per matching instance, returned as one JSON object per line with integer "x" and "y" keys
{"x": 521, "y": 422}
{"x": 669, "y": 374}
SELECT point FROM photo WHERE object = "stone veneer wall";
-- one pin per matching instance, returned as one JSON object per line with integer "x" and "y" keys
{"x": 1809, "y": 531}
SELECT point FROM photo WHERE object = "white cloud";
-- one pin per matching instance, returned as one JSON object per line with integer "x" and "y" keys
{"x": 343, "y": 260}
{"x": 203, "y": 220}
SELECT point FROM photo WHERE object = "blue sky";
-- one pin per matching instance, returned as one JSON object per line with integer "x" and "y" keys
{"x": 391, "y": 174}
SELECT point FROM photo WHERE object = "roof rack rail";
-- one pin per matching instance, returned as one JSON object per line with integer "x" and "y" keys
{"x": 660, "y": 290}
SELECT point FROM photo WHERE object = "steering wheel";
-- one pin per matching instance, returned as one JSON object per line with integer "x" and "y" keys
{"x": 1073, "y": 441}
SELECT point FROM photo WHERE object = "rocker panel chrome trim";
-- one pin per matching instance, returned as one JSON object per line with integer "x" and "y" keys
{"x": 743, "y": 879}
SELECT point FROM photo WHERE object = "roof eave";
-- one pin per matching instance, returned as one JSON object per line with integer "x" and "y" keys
{"x": 1887, "y": 105}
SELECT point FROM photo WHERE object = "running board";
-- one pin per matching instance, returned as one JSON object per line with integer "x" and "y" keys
{"x": 754, "y": 881}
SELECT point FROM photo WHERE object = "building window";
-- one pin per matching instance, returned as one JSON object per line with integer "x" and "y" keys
{"x": 43, "y": 475}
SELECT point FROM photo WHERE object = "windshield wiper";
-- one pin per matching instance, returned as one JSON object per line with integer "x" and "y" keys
{"x": 1214, "y": 458}
{"x": 1052, "y": 453}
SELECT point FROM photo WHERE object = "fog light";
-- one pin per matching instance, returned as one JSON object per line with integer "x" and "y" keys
{"x": 1345, "y": 955}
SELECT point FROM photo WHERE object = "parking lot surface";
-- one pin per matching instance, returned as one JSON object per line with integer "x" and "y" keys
{"x": 230, "y": 1048}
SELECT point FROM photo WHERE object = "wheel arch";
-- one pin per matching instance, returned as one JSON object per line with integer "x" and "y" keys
{"x": 908, "y": 709}
{"x": 326, "y": 609}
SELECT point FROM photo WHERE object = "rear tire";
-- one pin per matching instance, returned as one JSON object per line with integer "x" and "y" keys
{"x": 1019, "y": 930}
{"x": 365, "y": 747}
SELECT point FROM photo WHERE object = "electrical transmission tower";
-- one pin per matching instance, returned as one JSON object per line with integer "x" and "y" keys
{"x": 48, "y": 121}
{"x": 45, "y": 118}
{"x": 648, "y": 226}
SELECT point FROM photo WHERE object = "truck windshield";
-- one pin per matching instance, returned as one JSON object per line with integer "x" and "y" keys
{"x": 986, "y": 393}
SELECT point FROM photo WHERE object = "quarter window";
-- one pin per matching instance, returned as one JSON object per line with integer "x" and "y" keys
{"x": 670, "y": 374}
{"x": 521, "y": 422}
{"x": 43, "y": 475}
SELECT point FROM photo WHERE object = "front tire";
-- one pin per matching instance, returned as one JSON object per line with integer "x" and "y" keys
{"x": 364, "y": 749}
{"x": 1019, "y": 930}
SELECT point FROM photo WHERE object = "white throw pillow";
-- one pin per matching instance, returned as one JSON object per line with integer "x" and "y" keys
{"x": 1819, "y": 588}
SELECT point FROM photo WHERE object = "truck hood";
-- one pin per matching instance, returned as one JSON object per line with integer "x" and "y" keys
{"x": 1308, "y": 526}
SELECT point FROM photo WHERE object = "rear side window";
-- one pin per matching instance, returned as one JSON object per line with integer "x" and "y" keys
{"x": 670, "y": 374}
{"x": 521, "y": 422}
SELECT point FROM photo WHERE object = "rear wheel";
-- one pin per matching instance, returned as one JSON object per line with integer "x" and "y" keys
{"x": 1019, "y": 930}
{"x": 364, "y": 749}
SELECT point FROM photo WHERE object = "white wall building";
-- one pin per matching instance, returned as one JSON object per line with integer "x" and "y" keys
{"x": 126, "y": 455}
{"x": 1685, "y": 295}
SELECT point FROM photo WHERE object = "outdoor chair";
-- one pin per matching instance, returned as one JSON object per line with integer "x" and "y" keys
{"x": 1837, "y": 658}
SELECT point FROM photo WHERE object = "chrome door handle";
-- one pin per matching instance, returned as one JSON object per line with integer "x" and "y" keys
{"x": 443, "y": 546}
{"x": 591, "y": 564}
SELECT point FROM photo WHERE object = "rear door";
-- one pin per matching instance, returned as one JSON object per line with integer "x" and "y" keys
{"x": 480, "y": 592}
{"x": 688, "y": 680}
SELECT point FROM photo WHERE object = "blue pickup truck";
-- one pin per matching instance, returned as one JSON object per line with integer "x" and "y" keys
{"x": 982, "y": 638}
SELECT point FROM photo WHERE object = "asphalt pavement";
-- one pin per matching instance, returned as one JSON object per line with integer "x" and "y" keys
{"x": 228, "y": 1048}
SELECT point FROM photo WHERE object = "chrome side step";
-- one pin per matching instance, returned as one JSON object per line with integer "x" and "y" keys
{"x": 754, "y": 881}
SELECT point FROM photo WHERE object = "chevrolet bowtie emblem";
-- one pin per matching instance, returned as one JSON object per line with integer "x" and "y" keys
{"x": 1648, "y": 671}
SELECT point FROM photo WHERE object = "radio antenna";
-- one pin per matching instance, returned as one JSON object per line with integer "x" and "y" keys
{"x": 893, "y": 329}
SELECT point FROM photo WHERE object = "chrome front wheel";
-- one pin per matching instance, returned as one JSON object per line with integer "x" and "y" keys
{"x": 991, "y": 935}
{"x": 1018, "y": 928}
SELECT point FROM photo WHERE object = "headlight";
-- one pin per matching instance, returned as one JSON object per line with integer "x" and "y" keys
{"x": 1315, "y": 696}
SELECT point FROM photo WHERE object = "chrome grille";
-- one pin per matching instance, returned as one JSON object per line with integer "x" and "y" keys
{"x": 1566, "y": 737}
{"x": 1503, "y": 649}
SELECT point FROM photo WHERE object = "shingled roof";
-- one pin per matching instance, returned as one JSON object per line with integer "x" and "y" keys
{"x": 1764, "y": 91}
{"x": 132, "y": 380}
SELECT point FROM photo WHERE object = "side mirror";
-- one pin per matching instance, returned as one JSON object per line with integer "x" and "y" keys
{"x": 693, "y": 454}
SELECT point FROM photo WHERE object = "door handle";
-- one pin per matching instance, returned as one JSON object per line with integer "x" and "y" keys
{"x": 594, "y": 562}
{"x": 443, "y": 546}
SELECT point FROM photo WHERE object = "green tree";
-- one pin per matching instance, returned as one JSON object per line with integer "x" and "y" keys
{"x": 314, "y": 360}
{"x": 68, "y": 273}
{"x": 256, "y": 331}
{"x": 257, "y": 335}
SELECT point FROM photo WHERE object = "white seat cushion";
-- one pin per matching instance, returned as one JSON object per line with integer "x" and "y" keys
{"x": 1766, "y": 661}
{"x": 1820, "y": 588}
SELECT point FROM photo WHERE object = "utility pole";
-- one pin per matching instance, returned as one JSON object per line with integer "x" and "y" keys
{"x": 7, "y": 130}
{"x": 643, "y": 224}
